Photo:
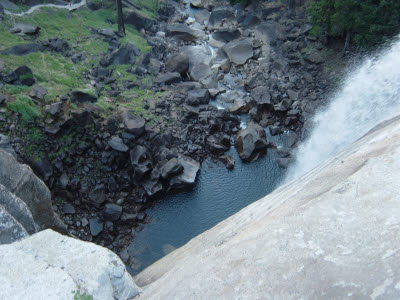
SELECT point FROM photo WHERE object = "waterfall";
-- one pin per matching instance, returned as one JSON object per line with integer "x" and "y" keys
{"x": 369, "y": 95}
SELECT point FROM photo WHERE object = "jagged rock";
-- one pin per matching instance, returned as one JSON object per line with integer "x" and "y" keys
{"x": 25, "y": 29}
{"x": 112, "y": 212}
{"x": 198, "y": 96}
{"x": 168, "y": 78}
{"x": 226, "y": 35}
{"x": 53, "y": 266}
{"x": 68, "y": 209}
{"x": 117, "y": 144}
{"x": 228, "y": 161}
{"x": 262, "y": 97}
{"x": 291, "y": 138}
{"x": 152, "y": 187}
{"x": 241, "y": 106}
{"x": 54, "y": 108}
{"x": 184, "y": 32}
{"x": 56, "y": 44}
{"x": 21, "y": 49}
{"x": 216, "y": 146}
{"x": 250, "y": 21}
{"x": 251, "y": 142}
{"x": 172, "y": 168}
{"x": 38, "y": 92}
{"x": 97, "y": 196}
{"x": 141, "y": 161}
{"x": 239, "y": 51}
{"x": 218, "y": 17}
{"x": 20, "y": 180}
{"x": 187, "y": 178}
{"x": 10, "y": 229}
{"x": 133, "y": 124}
{"x": 83, "y": 95}
{"x": 269, "y": 32}
{"x": 178, "y": 62}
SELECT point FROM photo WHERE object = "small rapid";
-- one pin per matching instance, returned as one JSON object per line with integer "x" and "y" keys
{"x": 369, "y": 95}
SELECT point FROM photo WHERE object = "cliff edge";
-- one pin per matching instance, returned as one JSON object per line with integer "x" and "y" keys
{"x": 333, "y": 233}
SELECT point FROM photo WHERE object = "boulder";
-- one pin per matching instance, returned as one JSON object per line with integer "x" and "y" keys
{"x": 25, "y": 76}
{"x": 48, "y": 265}
{"x": 5, "y": 144}
{"x": 117, "y": 144}
{"x": 251, "y": 142}
{"x": 107, "y": 33}
{"x": 314, "y": 58}
{"x": 133, "y": 124}
{"x": 112, "y": 212}
{"x": 125, "y": 55}
{"x": 228, "y": 161}
{"x": 83, "y": 95}
{"x": 25, "y": 29}
{"x": 139, "y": 20}
{"x": 250, "y": 21}
{"x": 178, "y": 62}
{"x": 241, "y": 106}
{"x": 216, "y": 146}
{"x": 21, "y": 49}
{"x": 269, "y": 32}
{"x": 54, "y": 108}
{"x": 184, "y": 32}
{"x": 168, "y": 78}
{"x": 10, "y": 229}
{"x": 198, "y": 96}
{"x": 20, "y": 180}
{"x": 218, "y": 17}
{"x": 262, "y": 97}
{"x": 187, "y": 178}
{"x": 173, "y": 167}
{"x": 38, "y": 92}
{"x": 226, "y": 35}
{"x": 141, "y": 161}
{"x": 201, "y": 4}
{"x": 201, "y": 16}
{"x": 239, "y": 51}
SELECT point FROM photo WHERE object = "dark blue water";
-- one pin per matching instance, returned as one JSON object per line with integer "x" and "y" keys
{"x": 218, "y": 194}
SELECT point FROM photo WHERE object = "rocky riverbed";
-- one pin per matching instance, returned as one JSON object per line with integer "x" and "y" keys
{"x": 105, "y": 169}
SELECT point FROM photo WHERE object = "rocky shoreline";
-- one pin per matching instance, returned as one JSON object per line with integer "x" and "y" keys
{"x": 105, "y": 170}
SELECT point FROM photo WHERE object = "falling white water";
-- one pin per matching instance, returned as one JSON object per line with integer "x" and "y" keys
{"x": 369, "y": 95}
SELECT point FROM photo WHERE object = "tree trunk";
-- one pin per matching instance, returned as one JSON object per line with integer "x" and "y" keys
{"x": 121, "y": 25}
{"x": 292, "y": 4}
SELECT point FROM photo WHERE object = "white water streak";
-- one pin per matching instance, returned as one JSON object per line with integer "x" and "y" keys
{"x": 369, "y": 95}
{"x": 36, "y": 7}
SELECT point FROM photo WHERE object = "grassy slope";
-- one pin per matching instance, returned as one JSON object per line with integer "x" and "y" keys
{"x": 57, "y": 73}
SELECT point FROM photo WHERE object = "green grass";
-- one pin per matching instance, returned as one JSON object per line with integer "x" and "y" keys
{"x": 25, "y": 107}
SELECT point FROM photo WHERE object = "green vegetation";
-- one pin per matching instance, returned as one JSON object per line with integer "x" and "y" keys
{"x": 25, "y": 107}
{"x": 79, "y": 295}
{"x": 368, "y": 22}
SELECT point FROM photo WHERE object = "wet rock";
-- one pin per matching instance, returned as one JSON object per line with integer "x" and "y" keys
{"x": 239, "y": 51}
{"x": 187, "y": 178}
{"x": 228, "y": 161}
{"x": 152, "y": 187}
{"x": 133, "y": 124}
{"x": 184, "y": 32}
{"x": 251, "y": 142}
{"x": 274, "y": 130}
{"x": 141, "y": 161}
{"x": 200, "y": 3}
{"x": 291, "y": 138}
{"x": 111, "y": 212}
{"x": 284, "y": 163}
{"x": 168, "y": 78}
{"x": 25, "y": 29}
{"x": 241, "y": 106}
{"x": 117, "y": 144}
{"x": 96, "y": 226}
{"x": 178, "y": 62}
{"x": 226, "y": 35}
{"x": 283, "y": 152}
{"x": 38, "y": 92}
{"x": 172, "y": 168}
{"x": 22, "y": 49}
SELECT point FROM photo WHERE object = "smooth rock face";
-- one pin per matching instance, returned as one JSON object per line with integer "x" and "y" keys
{"x": 239, "y": 51}
{"x": 331, "y": 234}
{"x": 48, "y": 265}
{"x": 22, "y": 182}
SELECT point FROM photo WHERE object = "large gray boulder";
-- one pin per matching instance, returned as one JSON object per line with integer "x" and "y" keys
{"x": 48, "y": 265}
{"x": 251, "y": 142}
{"x": 21, "y": 49}
{"x": 331, "y": 234}
{"x": 219, "y": 16}
{"x": 19, "y": 180}
{"x": 184, "y": 32}
{"x": 187, "y": 177}
{"x": 239, "y": 51}
{"x": 25, "y": 29}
